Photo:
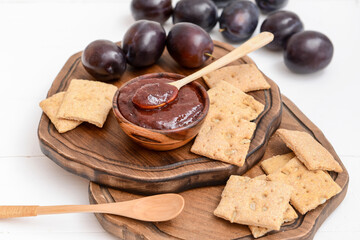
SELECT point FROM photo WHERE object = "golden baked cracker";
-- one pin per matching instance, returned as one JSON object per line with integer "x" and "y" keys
{"x": 226, "y": 99}
{"x": 309, "y": 151}
{"x": 260, "y": 177}
{"x": 50, "y": 106}
{"x": 254, "y": 202}
{"x": 311, "y": 188}
{"x": 246, "y": 77}
{"x": 272, "y": 164}
{"x": 289, "y": 215}
{"x": 87, "y": 101}
{"x": 222, "y": 138}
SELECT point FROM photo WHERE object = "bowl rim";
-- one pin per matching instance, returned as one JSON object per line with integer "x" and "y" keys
{"x": 204, "y": 93}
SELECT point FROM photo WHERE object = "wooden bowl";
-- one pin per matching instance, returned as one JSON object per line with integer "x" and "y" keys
{"x": 161, "y": 140}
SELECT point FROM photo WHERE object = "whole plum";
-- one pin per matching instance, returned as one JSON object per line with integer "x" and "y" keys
{"x": 154, "y": 10}
{"x": 238, "y": 20}
{"x": 189, "y": 45}
{"x": 283, "y": 24}
{"x": 104, "y": 60}
{"x": 143, "y": 43}
{"x": 221, "y": 3}
{"x": 308, "y": 52}
{"x": 267, "y": 6}
{"x": 200, "y": 12}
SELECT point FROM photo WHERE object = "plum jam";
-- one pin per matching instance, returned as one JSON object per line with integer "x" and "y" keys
{"x": 154, "y": 95}
{"x": 184, "y": 110}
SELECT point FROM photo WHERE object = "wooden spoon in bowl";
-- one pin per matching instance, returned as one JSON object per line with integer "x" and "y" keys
{"x": 155, "y": 95}
{"x": 157, "y": 208}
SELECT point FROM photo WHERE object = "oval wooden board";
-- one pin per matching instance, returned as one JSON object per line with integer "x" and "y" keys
{"x": 197, "y": 220}
{"x": 107, "y": 156}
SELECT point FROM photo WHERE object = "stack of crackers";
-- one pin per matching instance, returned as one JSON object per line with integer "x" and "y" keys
{"x": 84, "y": 101}
{"x": 228, "y": 128}
{"x": 299, "y": 178}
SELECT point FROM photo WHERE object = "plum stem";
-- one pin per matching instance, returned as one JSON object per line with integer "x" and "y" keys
{"x": 209, "y": 55}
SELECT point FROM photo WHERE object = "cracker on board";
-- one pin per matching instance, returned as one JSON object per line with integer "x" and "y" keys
{"x": 226, "y": 99}
{"x": 245, "y": 77}
{"x": 88, "y": 101}
{"x": 309, "y": 151}
{"x": 226, "y": 132}
{"x": 221, "y": 138}
{"x": 311, "y": 188}
{"x": 272, "y": 164}
{"x": 289, "y": 215}
{"x": 254, "y": 202}
{"x": 50, "y": 106}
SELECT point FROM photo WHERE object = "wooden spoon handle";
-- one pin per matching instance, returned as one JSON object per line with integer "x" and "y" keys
{"x": 18, "y": 211}
{"x": 252, "y": 44}
{"x": 31, "y": 211}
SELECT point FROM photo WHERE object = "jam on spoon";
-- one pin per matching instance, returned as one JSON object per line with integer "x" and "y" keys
{"x": 154, "y": 95}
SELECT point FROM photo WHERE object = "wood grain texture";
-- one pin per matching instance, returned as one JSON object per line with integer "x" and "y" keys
{"x": 18, "y": 211}
{"x": 108, "y": 157}
{"x": 197, "y": 220}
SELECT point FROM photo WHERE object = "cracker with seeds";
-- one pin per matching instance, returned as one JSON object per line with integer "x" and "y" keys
{"x": 311, "y": 188}
{"x": 245, "y": 77}
{"x": 226, "y": 99}
{"x": 272, "y": 164}
{"x": 309, "y": 151}
{"x": 221, "y": 138}
{"x": 254, "y": 202}
{"x": 87, "y": 101}
{"x": 289, "y": 215}
{"x": 50, "y": 106}
{"x": 226, "y": 133}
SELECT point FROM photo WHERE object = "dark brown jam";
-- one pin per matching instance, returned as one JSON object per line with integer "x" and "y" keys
{"x": 184, "y": 110}
{"x": 154, "y": 95}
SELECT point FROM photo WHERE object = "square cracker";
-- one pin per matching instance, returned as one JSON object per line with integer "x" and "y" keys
{"x": 272, "y": 164}
{"x": 227, "y": 99}
{"x": 87, "y": 101}
{"x": 311, "y": 188}
{"x": 254, "y": 202}
{"x": 50, "y": 106}
{"x": 309, "y": 151}
{"x": 221, "y": 138}
{"x": 246, "y": 77}
{"x": 289, "y": 215}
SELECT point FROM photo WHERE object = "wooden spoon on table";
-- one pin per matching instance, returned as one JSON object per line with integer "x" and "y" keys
{"x": 157, "y": 208}
{"x": 155, "y": 95}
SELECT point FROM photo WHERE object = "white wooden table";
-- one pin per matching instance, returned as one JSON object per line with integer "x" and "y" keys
{"x": 38, "y": 36}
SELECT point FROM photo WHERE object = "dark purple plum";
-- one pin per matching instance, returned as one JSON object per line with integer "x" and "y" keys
{"x": 189, "y": 45}
{"x": 104, "y": 60}
{"x": 221, "y": 3}
{"x": 154, "y": 10}
{"x": 238, "y": 20}
{"x": 308, "y": 52}
{"x": 200, "y": 12}
{"x": 267, "y": 6}
{"x": 143, "y": 43}
{"x": 283, "y": 24}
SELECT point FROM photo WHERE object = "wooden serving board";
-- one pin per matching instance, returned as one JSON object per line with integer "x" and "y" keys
{"x": 108, "y": 157}
{"x": 197, "y": 220}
